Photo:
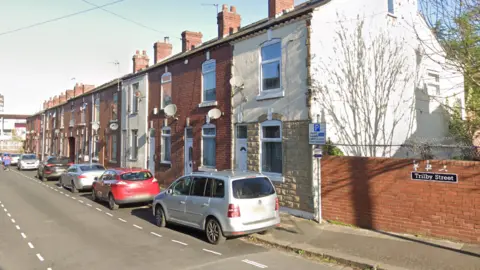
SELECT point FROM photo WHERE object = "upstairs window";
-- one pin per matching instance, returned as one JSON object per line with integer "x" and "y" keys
{"x": 271, "y": 54}
{"x": 115, "y": 107}
{"x": 166, "y": 90}
{"x": 134, "y": 99}
{"x": 96, "y": 114}
{"x": 209, "y": 78}
{"x": 391, "y": 6}
{"x": 433, "y": 83}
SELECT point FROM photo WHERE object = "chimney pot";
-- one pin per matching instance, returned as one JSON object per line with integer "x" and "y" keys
{"x": 137, "y": 52}
{"x": 224, "y": 7}
{"x": 278, "y": 7}
{"x": 228, "y": 21}
{"x": 166, "y": 39}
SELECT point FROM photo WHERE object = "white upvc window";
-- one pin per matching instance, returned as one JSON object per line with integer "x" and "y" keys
{"x": 134, "y": 145}
{"x": 96, "y": 107}
{"x": 271, "y": 63}
{"x": 134, "y": 98}
{"x": 209, "y": 80}
{"x": 209, "y": 133}
{"x": 166, "y": 145}
{"x": 271, "y": 152}
{"x": 391, "y": 6}
{"x": 166, "y": 91}
{"x": 433, "y": 83}
{"x": 62, "y": 117}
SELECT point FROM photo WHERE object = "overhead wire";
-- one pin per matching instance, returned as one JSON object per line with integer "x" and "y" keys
{"x": 59, "y": 18}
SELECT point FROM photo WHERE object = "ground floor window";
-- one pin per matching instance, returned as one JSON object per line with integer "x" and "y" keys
{"x": 209, "y": 133}
{"x": 166, "y": 145}
{"x": 271, "y": 149}
{"x": 113, "y": 148}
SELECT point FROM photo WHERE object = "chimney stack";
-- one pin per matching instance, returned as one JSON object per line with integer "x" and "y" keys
{"x": 191, "y": 40}
{"x": 140, "y": 61}
{"x": 78, "y": 89}
{"x": 277, "y": 7}
{"x": 63, "y": 98}
{"x": 70, "y": 94}
{"x": 228, "y": 21}
{"x": 161, "y": 50}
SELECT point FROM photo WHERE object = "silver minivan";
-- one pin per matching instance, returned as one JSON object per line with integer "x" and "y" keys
{"x": 222, "y": 204}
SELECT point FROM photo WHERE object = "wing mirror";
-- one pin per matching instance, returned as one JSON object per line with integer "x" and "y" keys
{"x": 169, "y": 191}
{"x": 95, "y": 178}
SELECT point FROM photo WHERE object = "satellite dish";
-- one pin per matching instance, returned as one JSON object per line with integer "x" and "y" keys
{"x": 214, "y": 113}
{"x": 170, "y": 110}
{"x": 113, "y": 126}
{"x": 95, "y": 126}
{"x": 237, "y": 82}
{"x": 138, "y": 94}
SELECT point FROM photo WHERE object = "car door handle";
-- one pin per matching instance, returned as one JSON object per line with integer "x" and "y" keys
{"x": 182, "y": 202}
{"x": 205, "y": 204}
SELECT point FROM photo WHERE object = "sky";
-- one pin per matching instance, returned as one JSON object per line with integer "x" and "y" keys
{"x": 43, "y": 61}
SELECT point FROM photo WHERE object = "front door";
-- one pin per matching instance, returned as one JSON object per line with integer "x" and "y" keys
{"x": 241, "y": 148}
{"x": 188, "y": 155}
{"x": 151, "y": 155}
{"x": 71, "y": 149}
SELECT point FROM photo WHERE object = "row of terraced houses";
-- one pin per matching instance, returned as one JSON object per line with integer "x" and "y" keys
{"x": 258, "y": 76}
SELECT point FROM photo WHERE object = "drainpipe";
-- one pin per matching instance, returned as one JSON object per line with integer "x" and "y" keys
{"x": 90, "y": 149}
{"x": 43, "y": 136}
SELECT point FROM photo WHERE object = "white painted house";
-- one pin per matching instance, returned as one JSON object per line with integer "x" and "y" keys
{"x": 350, "y": 64}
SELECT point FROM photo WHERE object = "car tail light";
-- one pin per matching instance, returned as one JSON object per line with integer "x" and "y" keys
{"x": 233, "y": 211}
{"x": 277, "y": 204}
{"x": 50, "y": 165}
{"x": 154, "y": 180}
{"x": 82, "y": 176}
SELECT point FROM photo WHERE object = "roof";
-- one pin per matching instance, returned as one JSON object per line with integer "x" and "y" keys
{"x": 261, "y": 25}
{"x": 230, "y": 174}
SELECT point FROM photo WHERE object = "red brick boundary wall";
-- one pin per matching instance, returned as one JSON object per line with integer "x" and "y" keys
{"x": 378, "y": 193}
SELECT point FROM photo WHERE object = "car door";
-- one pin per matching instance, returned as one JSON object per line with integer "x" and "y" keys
{"x": 65, "y": 179}
{"x": 198, "y": 201}
{"x": 107, "y": 183}
{"x": 73, "y": 174}
{"x": 100, "y": 185}
{"x": 175, "y": 202}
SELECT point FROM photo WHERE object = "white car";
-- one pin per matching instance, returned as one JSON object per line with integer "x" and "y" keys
{"x": 28, "y": 162}
{"x": 222, "y": 204}
{"x": 15, "y": 158}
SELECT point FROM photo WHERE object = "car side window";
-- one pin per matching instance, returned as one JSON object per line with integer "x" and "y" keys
{"x": 104, "y": 176}
{"x": 218, "y": 189}
{"x": 72, "y": 170}
{"x": 182, "y": 187}
{"x": 199, "y": 184}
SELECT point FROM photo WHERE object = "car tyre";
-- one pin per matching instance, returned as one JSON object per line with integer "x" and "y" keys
{"x": 160, "y": 219}
{"x": 38, "y": 175}
{"x": 111, "y": 202}
{"x": 94, "y": 196}
{"x": 74, "y": 188}
{"x": 213, "y": 232}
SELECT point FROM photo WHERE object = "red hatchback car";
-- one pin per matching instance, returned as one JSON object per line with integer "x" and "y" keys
{"x": 124, "y": 186}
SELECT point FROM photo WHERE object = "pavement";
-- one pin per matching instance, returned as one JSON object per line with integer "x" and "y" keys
{"x": 43, "y": 226}
{"x": 368, "y": 249}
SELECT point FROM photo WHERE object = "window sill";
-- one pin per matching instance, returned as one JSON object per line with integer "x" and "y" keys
{"x": 391, "y": 15}
{"x": 169, "y": 163}
{"x": 208, "y": 104}
{"x": 275, "y": 177}
{"x": 113, "y": 121}
{"x": 270, "y": 94}
{"x": 133, "y": 159}
{"x": 112, "y": 161}
{"x": 207, "y": 169}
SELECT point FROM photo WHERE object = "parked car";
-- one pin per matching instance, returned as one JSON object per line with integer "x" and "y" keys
{"x": 15, "y": 158}
{"x": 222, "y": 204}
{"x": 28, "y": 162}
{"x": 52, "y": 168}
{"x": 124, "y": 186}
{"x": 81, "y": 176}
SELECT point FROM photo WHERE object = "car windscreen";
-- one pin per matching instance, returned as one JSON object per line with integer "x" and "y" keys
{"x": 136, "y": 176}
{"x": 251, "y": 188}
{"x": 87, "y": 168}
{"x": 58, "y": 160}
{"x": 15, "y": 155}
{"x": 29, "y": 157}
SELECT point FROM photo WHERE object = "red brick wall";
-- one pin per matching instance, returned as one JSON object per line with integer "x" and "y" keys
{"x": 378, "y": 193}
{"x": 186, "y": 94}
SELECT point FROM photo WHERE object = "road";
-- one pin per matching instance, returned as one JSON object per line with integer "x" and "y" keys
{"x": 43, "y": 226}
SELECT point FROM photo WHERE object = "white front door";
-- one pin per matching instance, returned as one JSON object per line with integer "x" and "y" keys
{"x": 241, "y": 147}
{"x": 188, "y": 155}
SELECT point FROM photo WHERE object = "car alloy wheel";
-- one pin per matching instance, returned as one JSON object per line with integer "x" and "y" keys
{"x": 214, "y": 232}
{"x": 160, "y": 220}
{"x": 111, "y": 202}
{"x": 94, "y": 196}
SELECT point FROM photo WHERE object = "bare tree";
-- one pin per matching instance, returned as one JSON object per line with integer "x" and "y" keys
{"x": 361, "y": 89}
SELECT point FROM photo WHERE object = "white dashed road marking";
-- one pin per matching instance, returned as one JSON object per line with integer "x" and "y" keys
{"x": 156, "y": 234}
{"x": 122, "y": 220}
{"x": 13, "y": 220}
{"x": 80, "y": 201}
{"x": 255, "y": 263}
{"x": 61, "y": 192}
{"x": 108, "y": 214}
{"x": 23, "y": 235}
{"x": 5, "y": 209}
{"x": 8, "y": 214}
{"x": 30, "y": 245}
{"x": 89, "y": 205}
{"x": 67, "y": 195}
{"x": 98, "y": 209}
{"x": 178, "y": 242}
{"x": 136, "y": 226}
{"x": 40, "y": 257}
{"x": 18, "y": 227}
{"x": 211, "y": 251}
